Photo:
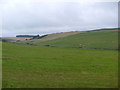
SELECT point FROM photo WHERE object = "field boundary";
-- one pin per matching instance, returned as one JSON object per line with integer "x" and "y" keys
{"x": 64, "y": 47}
{"x": 87, "y": 48}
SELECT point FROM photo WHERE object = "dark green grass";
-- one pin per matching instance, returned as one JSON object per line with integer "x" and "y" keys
{"x": 108, "y": 40}
{"x": 42, "y": 67}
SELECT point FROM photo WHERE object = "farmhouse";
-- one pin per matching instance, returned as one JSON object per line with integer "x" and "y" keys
{"x": 28, "y": 36}
{"x": 31, "y": 36}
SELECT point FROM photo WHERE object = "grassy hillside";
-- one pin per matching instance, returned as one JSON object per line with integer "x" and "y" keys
{"x": 46, "y": 38}
{"x": 107, "y": 40}
{"x": 45, "y": 67}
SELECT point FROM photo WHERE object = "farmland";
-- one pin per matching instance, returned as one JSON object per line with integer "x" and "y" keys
{"x": 87, "y": 40}
{"x": 29, "y": 66}
{"x": 94, "y": 39}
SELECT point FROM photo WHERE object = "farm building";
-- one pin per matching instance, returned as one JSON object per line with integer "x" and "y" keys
{"x": 32, "y": 36}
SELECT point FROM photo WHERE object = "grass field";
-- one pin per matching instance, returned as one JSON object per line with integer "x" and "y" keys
{"x": 70, "y": 60}
{"x": 95, "y": 39}
{"x": 47, "y": 67}
{"x": 86, "y": 40}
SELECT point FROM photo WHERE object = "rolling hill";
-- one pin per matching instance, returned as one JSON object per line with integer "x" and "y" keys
{"x": 98, "y": 39}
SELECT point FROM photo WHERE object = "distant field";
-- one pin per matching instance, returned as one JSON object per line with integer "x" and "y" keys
{"x": 50, "y": 37}
{"x": 98, "y": 39}
{"x": 14, "y": 39}
{"x": 45, "y": 67}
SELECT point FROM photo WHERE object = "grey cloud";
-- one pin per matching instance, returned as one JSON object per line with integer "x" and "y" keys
{"x": 34, "y": 18}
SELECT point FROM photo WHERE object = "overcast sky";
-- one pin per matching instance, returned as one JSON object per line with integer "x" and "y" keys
{"x": 26, "y": 17}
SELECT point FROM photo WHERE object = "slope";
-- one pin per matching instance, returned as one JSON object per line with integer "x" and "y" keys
{"x": 105, "y": 40}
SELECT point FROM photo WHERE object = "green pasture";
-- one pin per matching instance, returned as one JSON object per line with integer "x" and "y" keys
{"x": 106, "y": 40}
{"x": 27, "y": 66}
